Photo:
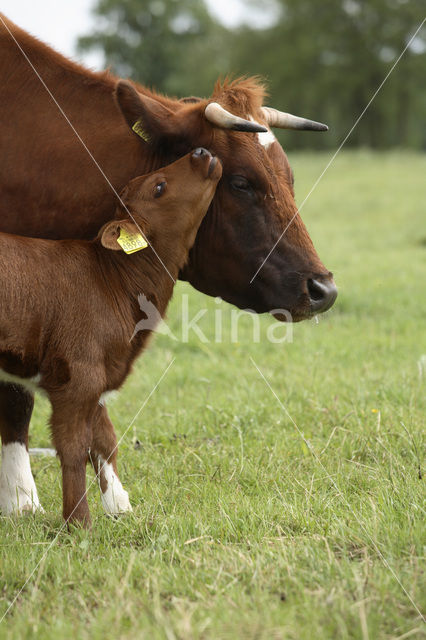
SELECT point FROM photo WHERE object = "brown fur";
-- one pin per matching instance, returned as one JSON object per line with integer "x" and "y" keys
{"x": 69, "y": 309}
{"x": 51, "y": 188}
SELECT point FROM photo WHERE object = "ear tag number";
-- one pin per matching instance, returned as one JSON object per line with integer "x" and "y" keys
{"x": 140, "y": 131}
{"x": 131, "y": 242}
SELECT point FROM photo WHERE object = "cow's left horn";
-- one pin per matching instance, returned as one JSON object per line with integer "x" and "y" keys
{"x": 283, "y": 120}
{"x": 223, "y": 119}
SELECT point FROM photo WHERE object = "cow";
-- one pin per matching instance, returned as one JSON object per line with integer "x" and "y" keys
{"x": 77, "y": 347}
{"x": 71, "y": 138}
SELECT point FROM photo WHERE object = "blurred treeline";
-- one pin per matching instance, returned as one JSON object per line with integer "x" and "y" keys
{"x": 322, "y": 59}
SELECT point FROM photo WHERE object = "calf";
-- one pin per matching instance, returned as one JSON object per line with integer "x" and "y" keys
{"x": 69, "y": 310}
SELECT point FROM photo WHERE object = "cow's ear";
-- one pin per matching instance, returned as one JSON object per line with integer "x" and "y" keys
{"x": 153, "y": 121}
{"x": 123, "y": 235}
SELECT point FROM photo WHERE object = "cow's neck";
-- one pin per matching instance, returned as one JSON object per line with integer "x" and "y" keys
{"x": 69, "y": 193}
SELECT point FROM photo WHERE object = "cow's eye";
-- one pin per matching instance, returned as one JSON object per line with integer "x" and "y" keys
{"x": 239, "y": 183}
{"x": 159, "y": 189}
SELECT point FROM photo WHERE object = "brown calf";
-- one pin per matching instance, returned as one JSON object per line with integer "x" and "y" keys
{"x": 70, "y": 307}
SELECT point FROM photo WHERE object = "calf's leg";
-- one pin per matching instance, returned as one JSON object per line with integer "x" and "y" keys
{"x": 18, "y": 492}
{"x": 72, "y": 437}
{"x": 103, "y": 455}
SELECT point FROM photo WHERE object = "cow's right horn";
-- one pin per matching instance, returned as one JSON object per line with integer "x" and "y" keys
{"x": 223, "y": 119}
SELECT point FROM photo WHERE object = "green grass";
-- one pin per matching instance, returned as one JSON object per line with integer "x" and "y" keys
{"x": 240, "y": 529}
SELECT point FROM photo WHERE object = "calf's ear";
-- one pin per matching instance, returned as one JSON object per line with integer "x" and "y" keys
{"x": 155, "y": 123}
{"x": 112, "y": 231}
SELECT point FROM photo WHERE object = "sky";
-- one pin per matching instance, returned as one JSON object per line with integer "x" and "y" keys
{"x": 57, "y": 22}
{"x": 60, "y": 22}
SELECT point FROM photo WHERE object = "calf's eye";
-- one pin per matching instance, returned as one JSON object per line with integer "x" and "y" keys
{"x": 159, "y": 189}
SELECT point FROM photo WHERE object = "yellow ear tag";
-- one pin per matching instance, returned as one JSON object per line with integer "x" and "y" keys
{"x": 131, "y": 242}
{"x": 138, "y": 128}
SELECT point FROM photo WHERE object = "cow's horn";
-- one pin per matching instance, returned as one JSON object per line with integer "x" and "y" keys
{"x": 223, "y": 119}
{"x": 283, "y": 120}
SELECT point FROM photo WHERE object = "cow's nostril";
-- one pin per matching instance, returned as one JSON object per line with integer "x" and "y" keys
{"x": 200, "y": 152}
{"x": 322, "y": 294}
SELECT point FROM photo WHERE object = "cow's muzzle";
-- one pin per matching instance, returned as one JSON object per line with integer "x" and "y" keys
{"x": 322, "y": 294}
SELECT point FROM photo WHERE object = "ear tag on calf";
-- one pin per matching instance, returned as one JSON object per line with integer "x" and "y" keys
{"x": 131, "y": 242}
{"x": 138, "y": 128}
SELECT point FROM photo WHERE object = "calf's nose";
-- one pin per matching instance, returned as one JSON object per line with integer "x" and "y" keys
{"x": 201, "y": 153}
{"x": 322, "y": 294}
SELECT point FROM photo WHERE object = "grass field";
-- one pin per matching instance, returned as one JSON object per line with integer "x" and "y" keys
{"x": 251, "y": 522}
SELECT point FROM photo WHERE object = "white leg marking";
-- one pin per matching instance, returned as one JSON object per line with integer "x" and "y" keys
{"x": 115, "y": 499}
{"x": 18, "y": 492}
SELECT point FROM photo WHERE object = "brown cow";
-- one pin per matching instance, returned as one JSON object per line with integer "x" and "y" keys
{"x": 76, "y": 347}
{"x": 51, "y": 187}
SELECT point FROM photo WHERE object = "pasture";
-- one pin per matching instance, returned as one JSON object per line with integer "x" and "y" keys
{"x": 255, "y": 517}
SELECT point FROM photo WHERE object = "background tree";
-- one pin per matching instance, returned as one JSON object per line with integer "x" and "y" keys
{"x": 322, "y": 59}
{"x": 172, "y": 45}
